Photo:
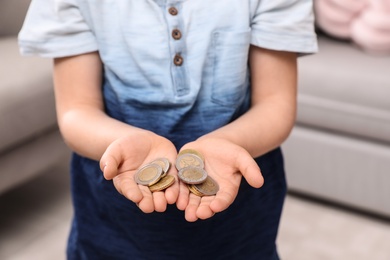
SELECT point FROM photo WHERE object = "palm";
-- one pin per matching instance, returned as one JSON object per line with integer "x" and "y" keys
{"x": 125, "y": 156}
{"x": 226, "y": 163}
{"x": 143, "y": 152}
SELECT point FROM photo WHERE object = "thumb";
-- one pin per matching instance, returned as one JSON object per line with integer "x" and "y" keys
{"x": 250, "y": 170}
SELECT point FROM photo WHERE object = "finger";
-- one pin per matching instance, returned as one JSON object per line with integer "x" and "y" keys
{"x": 146, "y": 204}
{"x": 222, "y": 201}
{"x": 128, "y": 188}
{"x": 183, "y": 198}
{"x": 250, "y": 170}
{"x": 192, "y": 207}
{"x": 160, "y": 203}
{"x": 117, "y": 185}
{"x": 204, "y": 211}
{"x": 172, "y": 193}
{"x": 109, "y": 165}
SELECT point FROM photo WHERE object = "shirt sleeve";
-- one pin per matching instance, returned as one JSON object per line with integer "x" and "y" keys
{"x": 285, "y": 25}
{"x": 55, "y": 28}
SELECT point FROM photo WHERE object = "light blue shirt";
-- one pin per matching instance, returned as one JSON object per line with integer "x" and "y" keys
{"x": 171, "y": 66}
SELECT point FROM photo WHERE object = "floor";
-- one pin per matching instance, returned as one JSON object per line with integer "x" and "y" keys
{"x": 35, "y": 218}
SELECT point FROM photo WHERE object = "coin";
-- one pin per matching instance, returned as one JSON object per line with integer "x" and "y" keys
{"x": 164, "y": 163}
{"x": 189, "y": 159}
{"x": 148, "y": 174}
{"x": 194, "y": 191}
{"x": 208, "y": 188}
{"x": 192, "y": 175}
{"x": 163, "y": 183}
{"x": 192, "y": 151}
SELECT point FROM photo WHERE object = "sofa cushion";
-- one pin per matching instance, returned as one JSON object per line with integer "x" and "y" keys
{"x": 27, "y": 106}
{"x": 344, "y": 89}
{"x": 12, "y": 14}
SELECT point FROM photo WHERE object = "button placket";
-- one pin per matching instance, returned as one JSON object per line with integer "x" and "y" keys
{"x": 177, "y": 49}
{"x": 176, "y": 35}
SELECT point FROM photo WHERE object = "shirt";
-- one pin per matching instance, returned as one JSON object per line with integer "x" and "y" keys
{"x": 167, "y": 55}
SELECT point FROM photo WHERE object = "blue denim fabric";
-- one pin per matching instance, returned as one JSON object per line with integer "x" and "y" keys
{"x": 144, "y": 87}
{"x": 108, "y": 226}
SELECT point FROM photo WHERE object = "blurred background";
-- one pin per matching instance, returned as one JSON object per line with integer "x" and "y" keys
{"x": 337, "y": 157}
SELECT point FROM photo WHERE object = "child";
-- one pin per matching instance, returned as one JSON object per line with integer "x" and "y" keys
{"x": 137, "y": 80}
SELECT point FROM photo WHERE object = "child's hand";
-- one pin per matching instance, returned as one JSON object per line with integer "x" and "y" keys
{"x": 226, "y": 163}
{"x": 126, "y": 155}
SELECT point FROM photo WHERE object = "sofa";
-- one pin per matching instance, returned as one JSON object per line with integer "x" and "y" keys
{"x": 30, "y": 142}
{"x": 339, "y": 149}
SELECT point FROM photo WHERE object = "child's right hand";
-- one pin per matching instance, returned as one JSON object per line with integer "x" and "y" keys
{"x": 126, "y": 155}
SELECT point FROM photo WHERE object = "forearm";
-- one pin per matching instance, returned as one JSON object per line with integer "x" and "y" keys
{"x": 263, "y": 128}
{"x": 273, "y": 103}
{"x": 89, "y": 132}
{"x": 85, "y": 126}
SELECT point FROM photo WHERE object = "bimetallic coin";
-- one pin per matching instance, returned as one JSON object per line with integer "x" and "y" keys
{"x": 189, "y": 159}
{"x": 148, "y": 174}
{"x": 192, "y": 175}
{"x": 164, "y": 163}
{"x": 192, "y": 151}
{"x": 208, "y": 188}
{"x": 194, "y": 191}
{"x": 163, "y": 183}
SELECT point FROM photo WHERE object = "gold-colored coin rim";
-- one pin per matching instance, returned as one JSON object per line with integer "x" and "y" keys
{"x": 194, "y": 191}
{"x": 199, "y": 187}
{"x": 192, "y": 151}
{"x": 163, "y": 184}
{"x": 166, "y": 162}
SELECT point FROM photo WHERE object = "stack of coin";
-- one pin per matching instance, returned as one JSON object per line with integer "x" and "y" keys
{"x": 154, "y": 175}
{"x": 188, "y": 158}
{"x": 207, "y": 188}
{"x": 190, "y": 164}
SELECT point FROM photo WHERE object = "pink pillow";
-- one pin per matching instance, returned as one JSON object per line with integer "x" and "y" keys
{"x": 365, "y": 22}
{"x": 371, "y": 31}
{"x": 333, "y": 19}
{"x": 381, "y": 5}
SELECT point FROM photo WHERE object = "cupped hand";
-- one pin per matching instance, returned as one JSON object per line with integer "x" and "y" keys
{"x": 226, "y": 163}
{"x": 126, "y": 155}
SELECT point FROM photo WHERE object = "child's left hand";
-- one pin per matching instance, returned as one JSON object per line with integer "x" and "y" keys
{"x": 226, "y": 163}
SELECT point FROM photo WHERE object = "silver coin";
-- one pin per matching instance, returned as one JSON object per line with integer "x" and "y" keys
{"x": 164, "y": 163}
{"x": 192, "y": 175}
{"x": 149, "y": 174}
{"x": 188, "y": 159}
{"x": 208, "y": 188}
{"x": 193, "y": 151}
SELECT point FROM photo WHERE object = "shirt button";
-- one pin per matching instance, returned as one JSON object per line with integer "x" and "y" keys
{"x": 178, "y": 60}
{"x": 173, "y": 11}
{"x": 176, "y": 34}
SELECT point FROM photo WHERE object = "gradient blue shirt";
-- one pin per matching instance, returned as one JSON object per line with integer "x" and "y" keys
{"x": 171, "y": 66}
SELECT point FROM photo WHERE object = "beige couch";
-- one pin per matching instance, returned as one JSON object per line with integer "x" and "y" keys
{"x": 339, "y": 149}
{"x": 30, "y": 142}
